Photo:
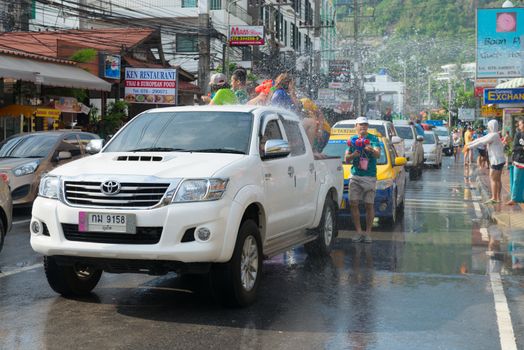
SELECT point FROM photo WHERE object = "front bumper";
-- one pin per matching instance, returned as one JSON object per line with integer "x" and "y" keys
{"x": 430, "y": 158}
{"x": 173, "y": 221}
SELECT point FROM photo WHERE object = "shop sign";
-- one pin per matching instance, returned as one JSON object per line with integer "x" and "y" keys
{"x": 68, "y": 105}
{"x": 326, "y": 94}
{"x": 151, "y": 85}
{"x": 339, "y": 71}
{"x": 110, "y": 66}
{"x": 490, "y": 112}
{"x": 503, "y": 96}
{"x": 499, "y": 34}
{"x": 467, "y": 114}
{"x": 47, "y": 112}
{"x": 246, "y": 35}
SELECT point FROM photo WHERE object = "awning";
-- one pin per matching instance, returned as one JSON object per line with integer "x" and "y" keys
{"x": 50, "y": 74}
{"x": 511, "y": 84}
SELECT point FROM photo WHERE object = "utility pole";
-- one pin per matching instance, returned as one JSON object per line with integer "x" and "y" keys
{"x": 203, "y": 45}
{"x": 316, "y": 48}
{"x": 356, "y": 82}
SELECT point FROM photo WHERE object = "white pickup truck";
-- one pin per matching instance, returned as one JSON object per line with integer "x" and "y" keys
{"x": 192, "y": 190}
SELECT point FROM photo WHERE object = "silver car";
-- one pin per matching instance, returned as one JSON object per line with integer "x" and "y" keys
{"x": 432, "y": 149}
{"x": 6, "y": 208}
{"x": 414, "y": 151}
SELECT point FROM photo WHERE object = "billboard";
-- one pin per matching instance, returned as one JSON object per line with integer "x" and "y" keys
{"x": 246, "y": 35}
{"x": 151, "y": 85}
{"x": 339, "y": 71}
{"x": 110, "y": 66}
{"x": 499, "y": 52}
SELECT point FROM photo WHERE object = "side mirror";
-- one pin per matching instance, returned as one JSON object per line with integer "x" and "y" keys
{"x": 276, "y": 149}
{"x": 94, "y": 146}
{"x": 396, "y": 140}
{"x": 64, "y": 155}
{"x": 420, "y": 138}
{"x": 399, "y": 161}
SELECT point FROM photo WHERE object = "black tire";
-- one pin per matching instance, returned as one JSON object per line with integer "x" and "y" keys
{"x": 327, "y": 231}
{"x": 227, "y": 278}
{"x": 2, "y": 234}
{"x": 76, "y": 280}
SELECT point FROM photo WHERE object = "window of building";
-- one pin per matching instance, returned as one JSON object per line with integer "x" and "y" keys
{"x": 215, "y": 5}
{"x": 186, "y": 43}
{"x": 189, "y": 3}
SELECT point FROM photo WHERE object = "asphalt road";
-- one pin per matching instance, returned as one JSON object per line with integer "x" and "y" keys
{"x": 424, "y": 284}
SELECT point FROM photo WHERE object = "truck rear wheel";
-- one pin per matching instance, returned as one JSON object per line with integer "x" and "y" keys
{"x": 327, "y": 231}
{"x": 236, "y": 282}
{"x": 75, "y": 280}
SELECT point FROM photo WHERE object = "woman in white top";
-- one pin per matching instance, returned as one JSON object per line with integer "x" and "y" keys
{"x": 496, "y": 157}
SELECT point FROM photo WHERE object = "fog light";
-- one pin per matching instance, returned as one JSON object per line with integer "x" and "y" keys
{"x": 383, "y": 206}
{"x": 203, "y": 233}
{"x": 35, "y": 227}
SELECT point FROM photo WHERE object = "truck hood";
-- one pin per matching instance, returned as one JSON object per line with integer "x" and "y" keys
{"x": 163, "y": 165}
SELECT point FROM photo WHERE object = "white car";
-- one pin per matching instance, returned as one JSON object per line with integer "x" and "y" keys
{"x": 432, "y": 149}
{"x": 384, "y": 127}
{"x": 414, "y": 149}
{"x": 443, "y": 135}
{"x": 209, "y": 189}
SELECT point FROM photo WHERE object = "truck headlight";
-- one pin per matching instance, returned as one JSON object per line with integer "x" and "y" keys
{"x": 383, "y": 184}
{"x": 27, "y": 168}
{"x": 49, "y": 187}
{"x": 194, "y": 190}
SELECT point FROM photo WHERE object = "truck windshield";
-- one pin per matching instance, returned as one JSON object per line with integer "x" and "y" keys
{"x": 203, "y": 131}
{"x": 337, "y": 148}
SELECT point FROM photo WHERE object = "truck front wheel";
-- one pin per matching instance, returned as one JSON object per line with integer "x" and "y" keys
{"x": 327, "y": 231}
{"x": 75, "y": 280}
{"x": 236, "y": 282}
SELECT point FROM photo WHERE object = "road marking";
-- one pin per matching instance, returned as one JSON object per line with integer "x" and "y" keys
{"x": 506, "y": 334}
{"x": 21, "y": 221}
{"x": 20, "y": 269}
{"x": 478, "y": 212}
{"x": 484, "y": 234}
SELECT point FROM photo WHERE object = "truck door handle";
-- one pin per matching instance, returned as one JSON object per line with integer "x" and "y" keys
{"x": 290, "y": 171}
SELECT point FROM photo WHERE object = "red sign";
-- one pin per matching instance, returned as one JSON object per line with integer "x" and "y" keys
{"x": 246, "y": 35}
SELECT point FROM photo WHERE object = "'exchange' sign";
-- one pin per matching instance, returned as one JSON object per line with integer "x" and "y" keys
{"x": 503, "y": 96}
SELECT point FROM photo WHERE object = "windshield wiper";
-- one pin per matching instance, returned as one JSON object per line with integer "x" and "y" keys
{"x": 159, "y": 149}
{"x": 218, "y": 150}
{"x": 2, "y": 157}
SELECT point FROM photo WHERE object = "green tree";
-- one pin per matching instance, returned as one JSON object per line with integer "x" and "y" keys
{"x": 114, "y": 119}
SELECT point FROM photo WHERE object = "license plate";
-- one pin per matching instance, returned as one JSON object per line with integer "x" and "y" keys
{"x": 106, "y": 222}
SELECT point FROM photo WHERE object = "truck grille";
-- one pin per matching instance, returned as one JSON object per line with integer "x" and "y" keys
{"x": 135, "y": 195}
{"x": 143, "y": 235}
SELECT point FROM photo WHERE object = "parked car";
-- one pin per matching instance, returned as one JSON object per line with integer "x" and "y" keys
{"x": 6, "y": 209}
{"x": 384, "y": 127}
{"x": 432, "y": 149}
{"x": 443, "y": 135}
{"x": 391, "y": 176}
{"x": 197, "y": 189}
{"x": 414, "y": 150}
{"x": 25, "y": 157}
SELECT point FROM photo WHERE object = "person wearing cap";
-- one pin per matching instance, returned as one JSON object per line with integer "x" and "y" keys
{"x": 221, "y": 91}
{"x": 363, "y": 178}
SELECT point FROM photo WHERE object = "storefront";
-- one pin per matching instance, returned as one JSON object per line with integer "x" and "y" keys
{"x": 509, "y": 97}
{"x": 16, "y": 119}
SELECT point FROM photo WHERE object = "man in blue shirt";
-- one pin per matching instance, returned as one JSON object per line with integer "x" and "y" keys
{"x": 363, "y": 177}
{"x": 419, "y": 128}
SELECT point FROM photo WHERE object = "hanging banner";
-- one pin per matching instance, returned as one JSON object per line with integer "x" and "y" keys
{"x": 246, "y": 35}
{"x": 151, "y": 85}
{"x": 499, "y": 34}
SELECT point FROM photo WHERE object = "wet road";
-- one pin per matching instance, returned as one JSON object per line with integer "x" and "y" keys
{"x": 423, "y": 284}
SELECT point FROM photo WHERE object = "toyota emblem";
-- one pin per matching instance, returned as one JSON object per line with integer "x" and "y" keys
{"x": 110, "y": 187}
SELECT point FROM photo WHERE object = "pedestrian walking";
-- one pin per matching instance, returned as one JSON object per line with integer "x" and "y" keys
{"x": 516, "y": 171}
{"x": 457, "y": 144}
{"x": 468, "y": 138}
{"x": 482, "y": 159}
{"x": 363, "y": 157}
{"x": 238, "y": 85}
{"x": 221, "y": 91}
{"x": 496, "y": 157}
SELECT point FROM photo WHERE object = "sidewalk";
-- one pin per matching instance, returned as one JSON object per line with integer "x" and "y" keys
{"x": 509, "y": 219}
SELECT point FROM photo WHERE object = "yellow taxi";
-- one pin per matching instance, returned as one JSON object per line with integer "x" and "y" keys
{"x": 391, "y": 175}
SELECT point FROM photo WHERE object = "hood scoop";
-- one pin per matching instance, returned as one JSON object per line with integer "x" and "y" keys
{"x": 139, "y": 158}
